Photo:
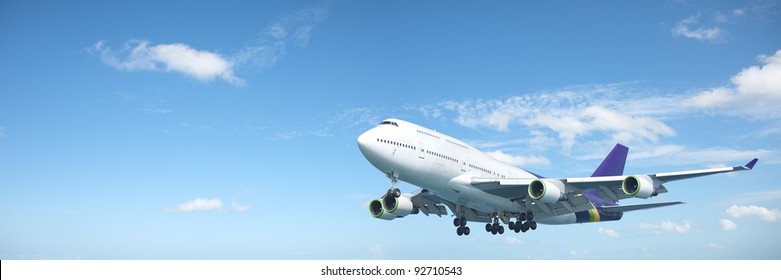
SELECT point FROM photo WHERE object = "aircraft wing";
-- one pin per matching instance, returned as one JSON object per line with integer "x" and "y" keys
{"x": 609, "y": 187}
{"x": 429, "y": 203}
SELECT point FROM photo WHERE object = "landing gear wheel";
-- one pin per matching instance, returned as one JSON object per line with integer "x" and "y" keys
{"x": 462, "y": 221}
{"x": 530, "y": 216}
{"x": 525, "y": 227}
{"x": 466, "y": 230}
{"x": 456, "y": 222}
{"x": 396, "y": 192}
{"x": 501, "y": 230}
{"x": 488, "y": 227}
{"x": 460, "y": 231}
{"x": 511, "y": 225}
{"x": 517, "y": 229}
{"x": 522, "y": 216}
{"x": 533, "y": 225}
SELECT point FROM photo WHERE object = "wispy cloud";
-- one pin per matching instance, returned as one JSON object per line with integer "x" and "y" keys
{"x": 682, "y": 155}
{"x": 690, "y": 28}
{"x": 157, "y": 111}
{"x": 377, "y": 252}
{"x": 715, "y": 246}
{"x": 759, "y": 196}
{"x": 514, "y": 241}
{"x": 667, "y": 227}
{"x": 765, "y": 214}
{"x": 271, "y": 46}
{"x": 141, "y": 55}
{"x": 727, "y": 225}
{"x": 755, "y": 92}
{"x": 287, "y": 135}
{"x": 197, "y": 126}
{"x": 583, "y": 118}
{"x": 239, "y": 208}
{"x": 572, "y": 113}
{"x": 198, "y": 205}
{"x": 609, "y": 232}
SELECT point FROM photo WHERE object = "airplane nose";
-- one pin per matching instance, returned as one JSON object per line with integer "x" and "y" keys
{"x": 364, "y": 141}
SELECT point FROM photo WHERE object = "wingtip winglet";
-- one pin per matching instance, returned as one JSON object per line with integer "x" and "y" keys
{"x": 750, "y": 164}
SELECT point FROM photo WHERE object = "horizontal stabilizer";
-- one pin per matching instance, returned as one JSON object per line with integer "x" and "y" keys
{"x": 625, "y": 208}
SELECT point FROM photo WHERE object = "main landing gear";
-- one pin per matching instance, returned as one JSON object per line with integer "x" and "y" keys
{"x": 522, "y": 226}
{"x": 495, "y": 227}
{"x": 523, "y": 223}
{"x": 461, "y": 228}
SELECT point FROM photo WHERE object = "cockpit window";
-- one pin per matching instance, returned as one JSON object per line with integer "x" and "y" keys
{"x": 390, "y": 123}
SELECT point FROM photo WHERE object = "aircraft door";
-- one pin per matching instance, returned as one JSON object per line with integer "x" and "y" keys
{"x": 421, "y": 150}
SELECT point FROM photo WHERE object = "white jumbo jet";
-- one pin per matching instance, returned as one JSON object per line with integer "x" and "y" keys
{"x": 478, "y": 188}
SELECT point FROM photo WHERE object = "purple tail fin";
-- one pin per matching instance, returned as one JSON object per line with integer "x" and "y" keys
{"x": 613, "y": 164}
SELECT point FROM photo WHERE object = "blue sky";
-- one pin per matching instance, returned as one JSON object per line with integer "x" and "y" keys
{"x": 212, "y": 130}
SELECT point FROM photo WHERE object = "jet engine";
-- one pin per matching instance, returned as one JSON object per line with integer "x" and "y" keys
{"x": 400, "y": 206}
{"x": 389, "y": 207}
{"x": 375, "y": 209}
{"x": 546, "y": 190}
{"x": 642, "y": 186}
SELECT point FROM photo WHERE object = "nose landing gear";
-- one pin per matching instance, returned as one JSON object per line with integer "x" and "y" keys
{"x": 393, "y": 191}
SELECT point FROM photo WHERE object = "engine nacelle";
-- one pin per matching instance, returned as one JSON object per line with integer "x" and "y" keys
{"x": 642, "y": 186}
{"x": 375, "y": 209}
{"x": 400, "y": 206}
{"x": 546, "y": 190}
{"x": 389, "y": 207}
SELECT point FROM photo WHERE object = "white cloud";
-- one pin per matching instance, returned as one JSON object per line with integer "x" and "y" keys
{"x": 519, "y": 160}
{"x": 572, "y": 113}
{"x": 715, "y": 246}
{"x": 376, "y": 251}
{"x": 240, "y": 208}
{"x": 755, "y": 92}
{"x": 761, "y": 80}
{"x": 686, "y": 28}
{"x": 512, "y": 241}
{"x": 667, "y": 227}
{"x": 264, "y": 52}
{"x": 727, "y": 225}
{"x": 609, "y": 232}
{"x": 198, "y": 205}
{"x": 623, "y": 127}
{"x": 768, "y": 215}
{"x": 715, "y": 97}
{"x": 140, "y": 55}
